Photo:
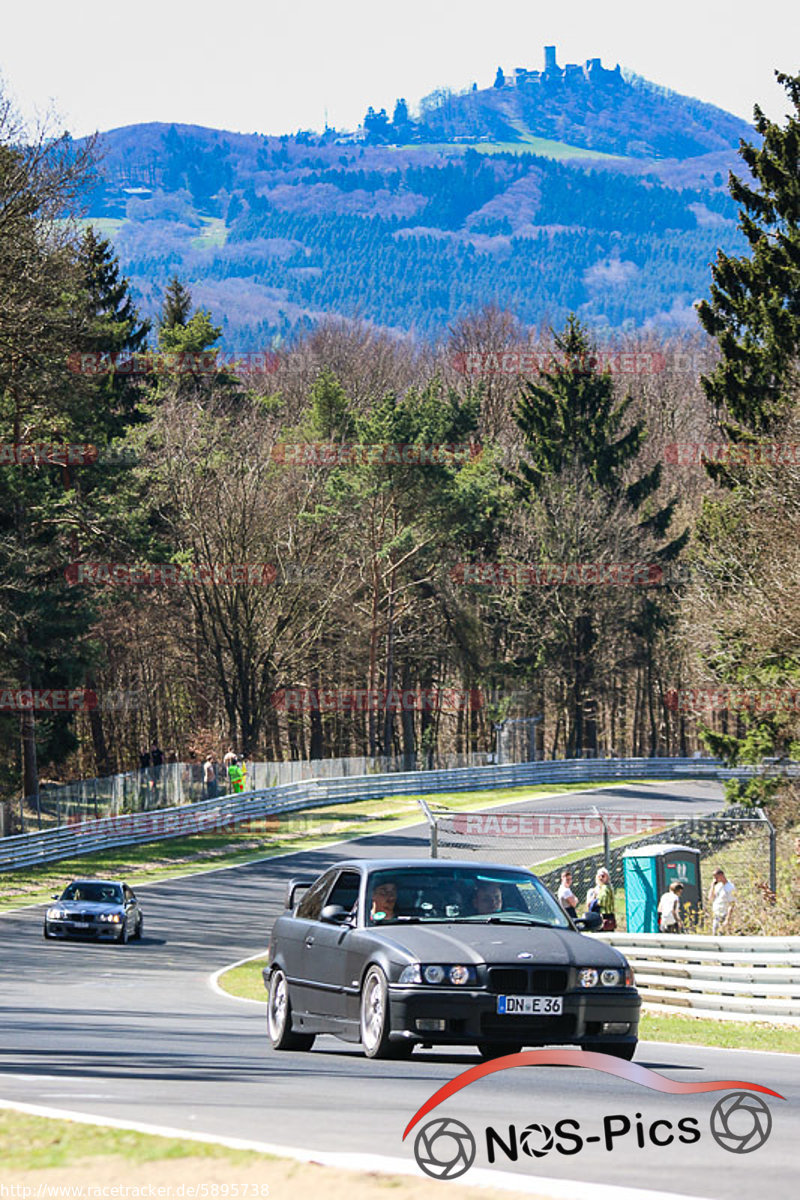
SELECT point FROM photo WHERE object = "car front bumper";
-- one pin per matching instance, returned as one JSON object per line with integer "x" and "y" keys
{"x": 449, "y": 1017}
{"x": 85, "y": 930}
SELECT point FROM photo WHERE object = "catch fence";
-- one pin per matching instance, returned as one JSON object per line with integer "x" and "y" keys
{"x": 548, "y": 843}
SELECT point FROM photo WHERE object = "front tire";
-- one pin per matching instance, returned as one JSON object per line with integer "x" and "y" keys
{"x": 489, "y": 1050}
{"x": 137, "y": 933}
{"x": 279, "y": 1016}
{"x": 624, "y": 1050}
{"x": 123, "y": 934}
{"x": 375, "y": 1023}
{"x": 46, "y": 932}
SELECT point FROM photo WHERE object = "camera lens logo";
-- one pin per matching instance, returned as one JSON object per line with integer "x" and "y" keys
{"x": 536, "y": 1140}
{"x": 740, "y": 1122}
{"x": 444, "y": 1149}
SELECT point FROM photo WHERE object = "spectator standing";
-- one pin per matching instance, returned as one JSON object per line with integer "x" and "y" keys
{"x": 600, "y": 898}
{"x": 566, "y": 897}
{"x": 210, "y": 777}
{"x": 721, "y": 896}
{"x": 669, "y": 909}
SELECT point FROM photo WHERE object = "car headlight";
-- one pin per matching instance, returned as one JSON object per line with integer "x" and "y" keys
{"x": 610, "y": 978}
{"x": 433, "y": 974}
{"x": 436, "y": 973}
{"x": 55, "y": 914}
{"x": 115, "y": 918}
{"x": 588, "y": 977}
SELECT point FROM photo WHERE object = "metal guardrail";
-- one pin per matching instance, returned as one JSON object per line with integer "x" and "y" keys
{"x": 24, "y": 850}
{"x": 732, "y": 978}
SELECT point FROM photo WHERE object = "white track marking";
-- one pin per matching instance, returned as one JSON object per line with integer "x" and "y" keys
{"x": 538, "y": 1185}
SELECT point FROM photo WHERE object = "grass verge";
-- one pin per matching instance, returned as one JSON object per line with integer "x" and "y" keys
{"x": 728, "y": 1035}
{"x": 31, "y": 1143}
{"x": 47, "y": 1157}
{"x": 246, "y": 980}
{"x": 309, "y": 830}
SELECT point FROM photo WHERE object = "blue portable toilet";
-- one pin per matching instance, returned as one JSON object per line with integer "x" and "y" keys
{"x": 648, "y": 871}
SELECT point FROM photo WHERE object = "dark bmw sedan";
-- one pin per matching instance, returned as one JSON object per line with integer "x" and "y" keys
{"x": 398, "y": 953}
{"x": 95, "y": 908}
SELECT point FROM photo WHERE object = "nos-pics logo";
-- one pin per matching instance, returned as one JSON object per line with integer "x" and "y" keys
{"x": 740, "y": 1122}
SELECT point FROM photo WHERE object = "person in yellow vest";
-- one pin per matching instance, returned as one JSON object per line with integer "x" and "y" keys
{"x": 236, "y": 774}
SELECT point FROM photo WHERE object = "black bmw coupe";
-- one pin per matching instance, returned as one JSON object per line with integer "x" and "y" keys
{"x": 398, "y": 953}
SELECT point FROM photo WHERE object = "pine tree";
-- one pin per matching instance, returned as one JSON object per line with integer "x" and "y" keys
{"x": 499, "y": 79}
{"x": 177, "y": 305}
{"x": 754, "y": 311}
{"x": 110, "y": 324}
{"x": 576, "y": 445}
{"x": 748, "y": 533}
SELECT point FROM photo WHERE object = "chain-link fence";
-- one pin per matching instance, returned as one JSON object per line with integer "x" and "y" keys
{"x": 740, "y": 840}
{"x": 171, "y": 785}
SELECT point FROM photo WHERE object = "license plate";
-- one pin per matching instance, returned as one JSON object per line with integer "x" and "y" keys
{"x": 543, "y": 1006}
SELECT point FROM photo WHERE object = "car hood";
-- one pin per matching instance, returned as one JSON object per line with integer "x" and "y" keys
{"x": 492, "y": 944}
{"x": 90, "y": 906}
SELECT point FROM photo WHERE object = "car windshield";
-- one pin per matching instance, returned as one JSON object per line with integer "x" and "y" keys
{"x": 468, "y": 894}
{"x": 94, "y": 893}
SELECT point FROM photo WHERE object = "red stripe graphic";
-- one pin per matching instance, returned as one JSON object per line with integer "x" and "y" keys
{"x": 582, "y": 1058}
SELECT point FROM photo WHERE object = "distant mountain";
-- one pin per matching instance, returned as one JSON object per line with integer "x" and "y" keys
{"x": 586, "y": 106}
{"x": 575, "y": 188}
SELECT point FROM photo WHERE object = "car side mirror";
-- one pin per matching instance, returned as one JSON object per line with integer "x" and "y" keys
{"x": 589, "y": 921}
{"x": 55, "y": 896}
{"x": 334, "y": 914}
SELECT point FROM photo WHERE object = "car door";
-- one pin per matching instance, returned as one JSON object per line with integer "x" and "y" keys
{"x": 131, "y": 908}
{"x": 297, "y": 939}
{"x": 327, "y": 945}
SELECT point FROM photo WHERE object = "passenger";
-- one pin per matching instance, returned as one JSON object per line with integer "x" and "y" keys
{"x": 488, "y": 898}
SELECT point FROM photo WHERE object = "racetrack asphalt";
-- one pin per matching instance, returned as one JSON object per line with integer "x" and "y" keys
{"x": 136, "y": 1033}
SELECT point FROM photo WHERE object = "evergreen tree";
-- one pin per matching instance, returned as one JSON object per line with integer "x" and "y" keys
{"x": 499, "y": 79}
{"x": 577, "y": 469}
{"x": 400, "y": 116}
{"x": 110, "y": 324}
{"x": 754, "y": 311}
{"x": 177, "y": 305}
{"x": 748, "y": 533}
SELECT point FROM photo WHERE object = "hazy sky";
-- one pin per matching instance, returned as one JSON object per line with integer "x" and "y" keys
{"x": 262, "y": 67}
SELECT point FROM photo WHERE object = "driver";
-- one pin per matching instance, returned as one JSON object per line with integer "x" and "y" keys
{"x": 384, "y": 901}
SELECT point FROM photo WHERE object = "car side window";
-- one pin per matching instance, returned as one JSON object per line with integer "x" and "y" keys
{"x": 311, "y": 905}
{"x": 345, "y": 890}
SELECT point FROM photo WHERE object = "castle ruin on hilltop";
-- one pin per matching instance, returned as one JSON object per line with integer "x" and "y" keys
{"x": 593, "y": 71}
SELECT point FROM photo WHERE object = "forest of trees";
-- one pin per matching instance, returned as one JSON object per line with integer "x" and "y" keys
{"x": 358, "y": 561}
{"x": 273, "y": 236}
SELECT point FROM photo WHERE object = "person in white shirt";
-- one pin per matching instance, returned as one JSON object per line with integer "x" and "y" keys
{"x": 566, "y": 897}
{"x": 721, "y": 897}
{"x": 669, "y": 908}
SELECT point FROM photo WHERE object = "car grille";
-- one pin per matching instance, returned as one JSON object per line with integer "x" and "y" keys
{"x": 83, "y": 917}
{"x": 527, "y": 981}
{"x": 553, "y": 1029}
